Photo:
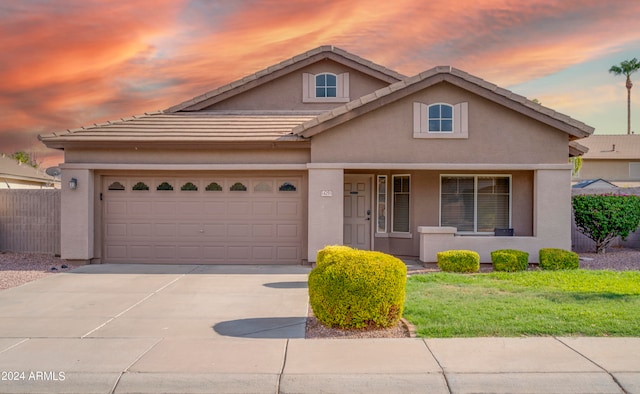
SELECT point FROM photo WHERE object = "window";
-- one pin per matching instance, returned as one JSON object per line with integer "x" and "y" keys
{"x": 116, "y": 186}
{"x": 475, "y": 203}
{"x": 440, "y": 120}
{"x": 401, "y": 186}
{"x": 381, "y": 213}
{"x": 326, "y": 85}
{"x": 325, "y": 88}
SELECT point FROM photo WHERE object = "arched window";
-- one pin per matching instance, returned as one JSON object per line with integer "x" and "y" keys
{"x": 326, "y": 85}
{"x": 116, "y": 186}
{"x": 440, "y": 118}
{"x": 213, "y": 187}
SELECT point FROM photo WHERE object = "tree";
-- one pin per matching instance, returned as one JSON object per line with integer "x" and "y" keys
{"x": 627, "y": 68}
{"x": 24, "y": 158}
{"x": 605, "y": 217}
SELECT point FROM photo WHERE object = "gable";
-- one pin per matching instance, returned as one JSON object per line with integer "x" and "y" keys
{"x": 287, "y": 91}
{"x": 289, "y": 66}
{"x": 496, "y": 134}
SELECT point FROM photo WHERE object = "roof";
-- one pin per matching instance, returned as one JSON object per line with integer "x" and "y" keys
{"x": 11, "y": 169}
{"x": 285, "y": 67}
{"x": 195, "y": 127}
{"x": 620, "y": 146}
{"x": 574, "y": 128}
{"x": 594, "y": 183}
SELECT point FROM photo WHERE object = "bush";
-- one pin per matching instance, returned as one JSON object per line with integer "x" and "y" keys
{"x": 558, "y": 259}
{"x": 351, "y": 288}
{"x": 509, "y": 260}
{"x": 459, "y": 261}
{"x": 605, "y": 217}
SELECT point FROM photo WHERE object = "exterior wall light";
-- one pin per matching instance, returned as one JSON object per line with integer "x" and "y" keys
{"x": 73, "y": 184}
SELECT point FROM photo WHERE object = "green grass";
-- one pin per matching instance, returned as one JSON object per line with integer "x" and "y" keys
{"x": 530, "y": 303}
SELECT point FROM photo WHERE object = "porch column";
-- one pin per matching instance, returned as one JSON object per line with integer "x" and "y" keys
{"x": 76, "y": 221}
{"x": 552, "y": 206}
{"x": 325, "y": 209}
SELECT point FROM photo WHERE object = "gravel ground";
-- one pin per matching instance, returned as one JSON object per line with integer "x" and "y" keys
{"x": 19, "y": 268}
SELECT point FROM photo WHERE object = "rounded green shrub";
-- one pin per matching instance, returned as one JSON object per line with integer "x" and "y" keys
{"x": 509, "y": 260}
{"x": 459, "y": 261}
{"x": 558, "y": 259}
{"x": 351, "y": 288}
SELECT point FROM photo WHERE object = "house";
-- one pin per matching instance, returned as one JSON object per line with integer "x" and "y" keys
{"x": 615, "y": 158}
{"x": 323, "y": 148}
{"x": 15, "y": 175}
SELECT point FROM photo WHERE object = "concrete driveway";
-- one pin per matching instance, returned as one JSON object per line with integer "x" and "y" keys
{"x": 78, "y": 331}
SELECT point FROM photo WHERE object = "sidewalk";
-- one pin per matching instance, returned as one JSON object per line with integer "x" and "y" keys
{"x": 197, "y": 329}
{"x": 474, "y": 365}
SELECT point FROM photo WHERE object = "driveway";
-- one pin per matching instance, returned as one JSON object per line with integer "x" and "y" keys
{"x": 160, "y": 301}
{"x": 78, "y": 331}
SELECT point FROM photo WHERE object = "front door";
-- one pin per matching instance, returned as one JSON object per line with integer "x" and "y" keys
{"x": 357, "y": 211}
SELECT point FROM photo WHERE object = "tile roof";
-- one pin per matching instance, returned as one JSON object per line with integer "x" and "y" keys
{"x": 620, "y": 146}
{"x": 262, "y": 76}
{"x": 203, "y": 126}
{"x": 574, "y": 128}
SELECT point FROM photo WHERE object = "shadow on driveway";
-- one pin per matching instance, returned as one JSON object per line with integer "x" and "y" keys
{"x": 271, "y": 327}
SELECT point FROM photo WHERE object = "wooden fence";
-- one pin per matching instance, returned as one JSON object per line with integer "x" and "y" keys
{"x": 30, "y": 221}
{"x": 581, "y": 243}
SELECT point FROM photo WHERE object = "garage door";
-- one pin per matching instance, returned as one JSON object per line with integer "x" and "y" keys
{"x": 203, "y": 220}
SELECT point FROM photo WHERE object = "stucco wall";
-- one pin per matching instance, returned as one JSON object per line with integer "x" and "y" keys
{"x": 610, "y": 170}
{"x": 285, "y": 93}
{"x": 193, "y": 156}
{"x": 496, "y": 135}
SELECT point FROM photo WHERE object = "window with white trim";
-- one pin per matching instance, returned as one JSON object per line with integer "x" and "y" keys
{"x": 325, "y": 88}
{"x": 475, "y": 203}
{"x": 381, "y": 206}
{"x": 440, "y": 120}
{"x": 401, "y": 189}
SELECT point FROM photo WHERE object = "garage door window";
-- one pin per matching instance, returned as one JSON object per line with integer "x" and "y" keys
{"x": 213, "y": 187}
{"x": 116, "y": 186}
{"x": 140, "y": 186}
{"x": 287, "y": 187}
{"x": 189, "y": 187}
{"x": 164, "y": 186}
{"x": 238, "y": 187}
{"x": 262, "y": 187}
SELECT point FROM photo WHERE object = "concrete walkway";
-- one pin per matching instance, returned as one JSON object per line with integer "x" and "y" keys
{"x": 204, "y": 329}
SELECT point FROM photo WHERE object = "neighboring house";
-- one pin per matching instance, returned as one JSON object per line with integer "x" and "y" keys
{"x": 614, "y": 158}
{"x": 324, "y": 148}
{"x": 15, "y": 175}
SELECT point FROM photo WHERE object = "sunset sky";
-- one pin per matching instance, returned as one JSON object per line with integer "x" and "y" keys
{"x": 71, "y": 63}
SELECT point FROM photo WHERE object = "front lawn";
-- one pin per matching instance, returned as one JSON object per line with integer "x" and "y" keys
{"x": 564, "y": 303}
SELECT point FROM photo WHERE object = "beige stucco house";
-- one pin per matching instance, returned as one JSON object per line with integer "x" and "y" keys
{"x": 324, "y": 148}
{"x": 613, "y": 157}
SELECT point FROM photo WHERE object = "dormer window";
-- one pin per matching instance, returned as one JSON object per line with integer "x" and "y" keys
{"x": 325, "y": 87}
{"x": 440, "y": 120}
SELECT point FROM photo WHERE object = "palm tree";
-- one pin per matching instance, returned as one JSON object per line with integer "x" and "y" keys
{"x": 627, "y": 68}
